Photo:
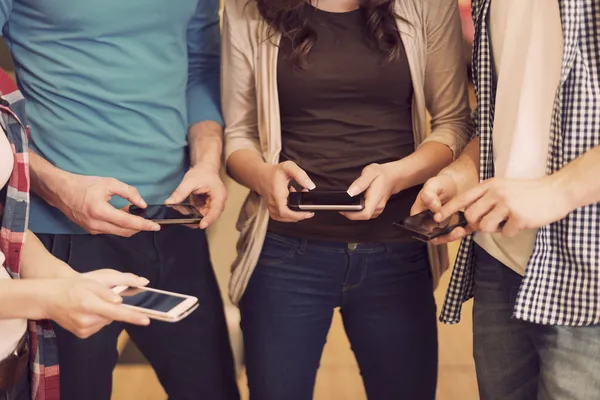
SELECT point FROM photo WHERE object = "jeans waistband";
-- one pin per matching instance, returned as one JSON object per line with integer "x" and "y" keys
{"x": 372, "y": 247}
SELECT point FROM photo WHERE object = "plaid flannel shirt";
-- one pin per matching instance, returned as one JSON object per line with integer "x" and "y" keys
{"x": 14, "y": 210}
{"x": 562, "y": 281}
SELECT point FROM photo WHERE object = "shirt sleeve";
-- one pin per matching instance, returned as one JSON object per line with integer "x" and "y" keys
{"x": 204, "y": 58}
{"x": 238, "y": 87}
{"x": 446, "y": 93}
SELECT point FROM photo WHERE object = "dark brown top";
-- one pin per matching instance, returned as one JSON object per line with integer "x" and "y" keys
{"x": 349, "y": 108}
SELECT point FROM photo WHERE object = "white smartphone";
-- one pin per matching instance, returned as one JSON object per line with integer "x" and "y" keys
{"x": 157, "y": 304}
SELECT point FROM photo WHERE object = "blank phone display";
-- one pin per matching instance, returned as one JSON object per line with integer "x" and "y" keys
{"x": 167, "y": 212}
{"x": 150, "y": 300}
{"x": 324, "y": 198}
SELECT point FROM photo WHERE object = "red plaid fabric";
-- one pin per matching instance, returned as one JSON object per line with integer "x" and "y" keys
{"x": 14, "y": 211}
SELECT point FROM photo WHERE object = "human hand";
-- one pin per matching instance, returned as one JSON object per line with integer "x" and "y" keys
{"x": 435, "y": 193}
{"x": 509, "y": 205}
{"x": 377, "y": 183}
{"x": 274, "y": 184}
{"x": 85, "y": 304}
{"x": 204, "y": 184}
{"x": 85, "y": 201}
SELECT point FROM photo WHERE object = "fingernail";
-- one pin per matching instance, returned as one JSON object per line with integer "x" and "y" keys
{"x": 168, "y": 201}
{"x": 310, "y": 184}
{"x": 145, "y": 321}
{"x": 155, "y": 227}
{"x": 437, "y": 217}
{"x": 352, "y": 191}
{"x": 143, "y": 202}
{"x": 143, "y": 281}
{"x": 116, "y": 299}
{"x": 309, "y": 215}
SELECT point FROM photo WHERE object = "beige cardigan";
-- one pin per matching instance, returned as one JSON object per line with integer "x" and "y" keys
{"x": 431, "y": 33}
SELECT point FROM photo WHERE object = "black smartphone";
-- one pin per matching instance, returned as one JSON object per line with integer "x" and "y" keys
{"x": 169, "y": 214}
{"x": 325, "y": 201}
{"x": 425, "y": 228}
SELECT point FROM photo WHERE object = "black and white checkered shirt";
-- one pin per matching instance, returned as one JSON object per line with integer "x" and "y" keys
{"x": 562, "y": 282}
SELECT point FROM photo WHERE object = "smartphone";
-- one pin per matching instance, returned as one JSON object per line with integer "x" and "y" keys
{"x": 169, "y": 214}
{"x": 425, "y": 228}
{"x": 157, "y": 304}
{"x": 325, "y": 201}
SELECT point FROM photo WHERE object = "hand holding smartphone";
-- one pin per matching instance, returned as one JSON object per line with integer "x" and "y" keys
{"x": 339, "y": 201}
{"x": 425, "y": 228}
{"x": 169, "y": 214}
{"x": 157, "y": 304}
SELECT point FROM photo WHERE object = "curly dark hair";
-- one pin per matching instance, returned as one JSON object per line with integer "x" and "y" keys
{"x": 290, "y": 18}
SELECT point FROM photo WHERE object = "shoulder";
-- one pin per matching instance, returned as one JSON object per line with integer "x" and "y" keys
{"x": 241, "y": 14}
{"x": 439, "y": 11}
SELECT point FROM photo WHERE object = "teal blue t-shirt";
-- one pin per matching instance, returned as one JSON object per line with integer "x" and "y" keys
{"x": 112, "y": 87}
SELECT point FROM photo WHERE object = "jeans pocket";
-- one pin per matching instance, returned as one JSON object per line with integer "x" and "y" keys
{"x": 277, "y": 249}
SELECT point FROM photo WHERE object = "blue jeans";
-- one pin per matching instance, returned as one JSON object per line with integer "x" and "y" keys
{"x": 387, "y": 305}
{"x": 516, "y": 360}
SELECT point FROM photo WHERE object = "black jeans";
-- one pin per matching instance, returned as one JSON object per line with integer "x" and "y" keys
{"x": 192, "y": 358}
{"x": 386, "y": 298}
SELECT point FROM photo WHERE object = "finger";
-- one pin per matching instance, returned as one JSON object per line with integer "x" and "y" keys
{"x": 296, "y": 173}
{"x": 456, "y": 234}
{"x": 113, "y": 278}
{"x": 430, "y": 196}
{"x": 124, "y": 220}
{"x": 475, "y": 213}
{"x": 105, "y": 228}
{"x": 287, "y": 215}
{"x": 460, "y": 202}
{"x": 363, "y": 182}
{"x": 492, "y": 221}
{"x": 102, "y": 306}
{"x": 183, "y": 191}
{"x": 127, "y": 192}
{"x": 216, "y": 203}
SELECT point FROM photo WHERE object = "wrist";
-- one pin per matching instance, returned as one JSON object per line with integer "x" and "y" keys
{"x": 563, "y": 190}
{"x": 463, "y": 177}
{"x": 397, "y": 175}
{"x": 263, "y": 173}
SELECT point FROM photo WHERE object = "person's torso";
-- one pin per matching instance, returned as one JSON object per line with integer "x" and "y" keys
{"x": 527, "y": 47}
{"x": 105, "y": 84}
{"x": 348, "y": 108}
{"x": 11, "y": 331}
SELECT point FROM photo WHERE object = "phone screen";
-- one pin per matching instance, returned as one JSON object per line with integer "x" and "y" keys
{"x": 424, "y": 224}
{"x": 328, "y": 198}
{"x": 150, "y": 300}
{"x": 165, "y": 212}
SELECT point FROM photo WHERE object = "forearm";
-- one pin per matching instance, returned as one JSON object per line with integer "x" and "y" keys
{"x": 22, "y": 299}
{"x": 46, "y": 180}
{"x": 206, "y": 144}
{"x": 246, "y": 167}
{"x": 465, "y": 170}
{"x": 38, "y": 263}
{"x": 421, "y": 165}
{"x": 578, "y": 181}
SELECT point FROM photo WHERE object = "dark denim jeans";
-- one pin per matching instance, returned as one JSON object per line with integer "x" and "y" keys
{"x": 516, "y": 360}
{"x": 192, "y": 358}
{"x": 387, "y": 305}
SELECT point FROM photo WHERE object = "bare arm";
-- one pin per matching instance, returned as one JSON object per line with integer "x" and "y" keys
{"x": 38, "y": 263}
{"x": 247, "y": 167}
{"x": 85, "y": 199}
